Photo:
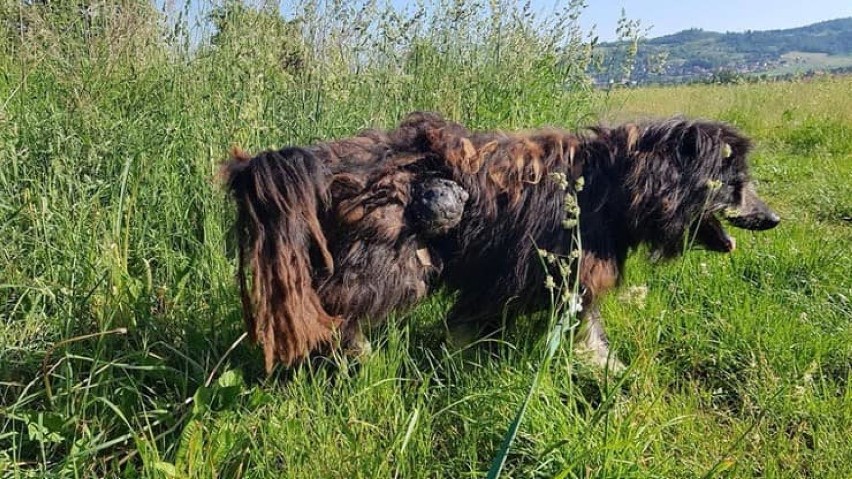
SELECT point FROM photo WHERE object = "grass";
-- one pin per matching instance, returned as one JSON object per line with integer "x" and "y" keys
{"x": 120, "y": 332}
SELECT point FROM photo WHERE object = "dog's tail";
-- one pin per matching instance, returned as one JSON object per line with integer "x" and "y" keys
{"x": 279, "y": 195}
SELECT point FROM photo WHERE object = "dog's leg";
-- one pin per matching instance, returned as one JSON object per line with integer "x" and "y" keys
{"x": 357, "y": 345}
{"x": 464, "y": 327}
{"x": 592, "y": 344}
{"x": 462, "y": 334}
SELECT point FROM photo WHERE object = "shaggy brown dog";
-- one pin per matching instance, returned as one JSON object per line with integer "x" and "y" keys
{"x": 661, "y": 184}
{"x": 336, "y": 232}
{"x": 340, "y": 232}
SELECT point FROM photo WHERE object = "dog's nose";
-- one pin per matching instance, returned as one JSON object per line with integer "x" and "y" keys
{"x": 772, "y": 220}
{"x": 764, "y": 220}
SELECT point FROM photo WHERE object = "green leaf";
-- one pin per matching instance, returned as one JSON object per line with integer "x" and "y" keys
{"x": 226, "y": 398}
{"x": 45, "y": 426}
{"x": 231, "y": 378}
{"x": 230, "y": 386}
{"x": 202, "y": 400}
{"x": 563, "y": 323}
{"x": 166, "y": 468}
{"x": 259, "y": 398}
{"x": 190, "y": 440}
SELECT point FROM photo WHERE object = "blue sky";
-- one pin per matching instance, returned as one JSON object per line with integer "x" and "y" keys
{"x": 670, "y": 16}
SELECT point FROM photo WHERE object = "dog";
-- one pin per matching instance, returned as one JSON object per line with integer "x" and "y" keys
{"x": 341, "y": 233}
{"x": 335, "y": 234}
{"x": 585, "y": 201}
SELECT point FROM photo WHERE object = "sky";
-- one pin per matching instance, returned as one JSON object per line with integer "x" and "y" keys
{"x": 670, "y": 16}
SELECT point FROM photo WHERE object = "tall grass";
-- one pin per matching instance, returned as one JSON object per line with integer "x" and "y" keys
{"x": 117, "y": 279}
{"x": 121, "y": 351}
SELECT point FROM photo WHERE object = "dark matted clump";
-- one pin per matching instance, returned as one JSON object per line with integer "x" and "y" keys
{"x": 437, "y": 206}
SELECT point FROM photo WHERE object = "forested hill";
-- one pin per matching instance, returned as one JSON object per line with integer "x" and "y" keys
{"x": 695, "y": 54}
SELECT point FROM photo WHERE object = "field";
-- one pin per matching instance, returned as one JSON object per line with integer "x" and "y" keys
{"x": 802, "y": 62}
{"x": 120, "y": 327}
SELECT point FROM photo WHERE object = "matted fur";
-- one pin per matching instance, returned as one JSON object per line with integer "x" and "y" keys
{"x": 660, "y": 184}
{"x": 324, "y": 235}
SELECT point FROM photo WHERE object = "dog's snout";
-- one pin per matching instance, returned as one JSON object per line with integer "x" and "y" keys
{"x": 758, "y": 219}
{"x": 772, "y": 220}
{"x": 765, "y": 221}
{"x": 753, "y": 213}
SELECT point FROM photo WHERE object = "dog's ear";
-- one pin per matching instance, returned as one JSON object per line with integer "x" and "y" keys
{"x": 708, "y": 145}
{"x": 738, "y": 144}
{"x": 695, "y": 140}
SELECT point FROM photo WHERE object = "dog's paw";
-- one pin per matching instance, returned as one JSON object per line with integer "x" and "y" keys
{"x": 602, "y": 360}
{"x": 359, "y": 347}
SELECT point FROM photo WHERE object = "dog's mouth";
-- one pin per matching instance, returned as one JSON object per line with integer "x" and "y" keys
{"x": 750, "y": 213}
{"x": 712, "y": 235}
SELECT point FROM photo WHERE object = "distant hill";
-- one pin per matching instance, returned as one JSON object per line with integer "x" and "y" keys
{"x": 696, "y": 54}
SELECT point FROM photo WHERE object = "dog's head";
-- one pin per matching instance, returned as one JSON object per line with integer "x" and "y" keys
{"x": 694, "y": 175}
{"x": 720, "y": 153}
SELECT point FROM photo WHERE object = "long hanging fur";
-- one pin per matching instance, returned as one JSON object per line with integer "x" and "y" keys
{"x": 279, "y": 195}
{"x": 326, "y": 236}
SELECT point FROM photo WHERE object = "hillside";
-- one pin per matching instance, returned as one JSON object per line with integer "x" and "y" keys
{"x": 696, "y": 54}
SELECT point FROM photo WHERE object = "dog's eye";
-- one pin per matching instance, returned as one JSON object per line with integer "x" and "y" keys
{"x": 722, "y": 190}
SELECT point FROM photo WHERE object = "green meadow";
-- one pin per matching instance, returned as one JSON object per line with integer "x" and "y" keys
{"x": 121, "y": 347}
